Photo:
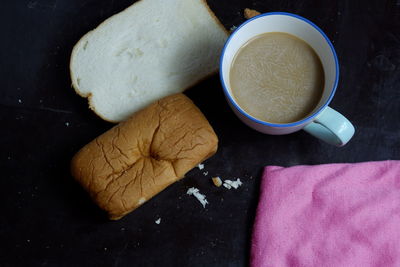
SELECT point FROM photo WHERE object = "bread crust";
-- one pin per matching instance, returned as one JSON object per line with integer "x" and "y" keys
{"x": 136, "y": 159}
{"x": 215, "y": 17}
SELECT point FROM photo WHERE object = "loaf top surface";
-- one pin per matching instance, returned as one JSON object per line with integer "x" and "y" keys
{"x": 152, "y": 49}
{"x": 133, "y": 161}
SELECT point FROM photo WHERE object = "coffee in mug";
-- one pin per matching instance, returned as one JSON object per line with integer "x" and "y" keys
{"x": 277, "y": 77}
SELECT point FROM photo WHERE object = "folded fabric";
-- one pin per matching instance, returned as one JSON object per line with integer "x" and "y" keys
{"x": 328, "y": 215}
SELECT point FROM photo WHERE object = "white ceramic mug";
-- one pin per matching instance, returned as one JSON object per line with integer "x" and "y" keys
{"x": 324, "y": 122}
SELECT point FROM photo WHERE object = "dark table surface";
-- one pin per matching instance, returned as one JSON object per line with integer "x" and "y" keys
{"x": 48, "y": 220}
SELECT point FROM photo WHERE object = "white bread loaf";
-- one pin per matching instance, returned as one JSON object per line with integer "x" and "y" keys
{"x": 152, "y": 49}
{"x": 138, "y": 158}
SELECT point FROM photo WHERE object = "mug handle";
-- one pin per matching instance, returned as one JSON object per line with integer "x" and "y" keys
{"x": 332, "y": 127}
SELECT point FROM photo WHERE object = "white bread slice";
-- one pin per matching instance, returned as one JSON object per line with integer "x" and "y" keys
{"x": 152, "y": 49}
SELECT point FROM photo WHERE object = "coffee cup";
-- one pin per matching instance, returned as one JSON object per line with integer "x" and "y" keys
{"x": 323, "y": 122}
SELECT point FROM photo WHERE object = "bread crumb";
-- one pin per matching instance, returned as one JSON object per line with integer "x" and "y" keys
{"x": 233, "y": 28}
{"x": 235, "y": 184}
{"x": 249, "y": 13}
{"x": 200, "y": 197}
{"x": 227, "y": 186}
{"x": 158, "y": 221}
{"x": 200, "y": 166}
{"x": 205, "y": 173}
{"x": 217, "y": 181}
{"x": 141, "y": 201}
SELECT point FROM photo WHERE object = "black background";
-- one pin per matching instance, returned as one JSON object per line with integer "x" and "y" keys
{"x": 48, "y": 220}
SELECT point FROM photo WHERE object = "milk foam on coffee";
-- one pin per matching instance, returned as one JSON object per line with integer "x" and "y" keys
{"x": 277, "y": 77}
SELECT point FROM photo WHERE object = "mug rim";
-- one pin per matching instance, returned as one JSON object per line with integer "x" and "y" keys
{"x": 280, "y": 125}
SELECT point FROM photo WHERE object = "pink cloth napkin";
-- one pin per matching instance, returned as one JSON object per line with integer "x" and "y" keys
{"x": 328, "y": 215}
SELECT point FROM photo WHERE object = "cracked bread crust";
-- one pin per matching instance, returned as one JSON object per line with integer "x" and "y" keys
{"x": 138, "y": 158}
